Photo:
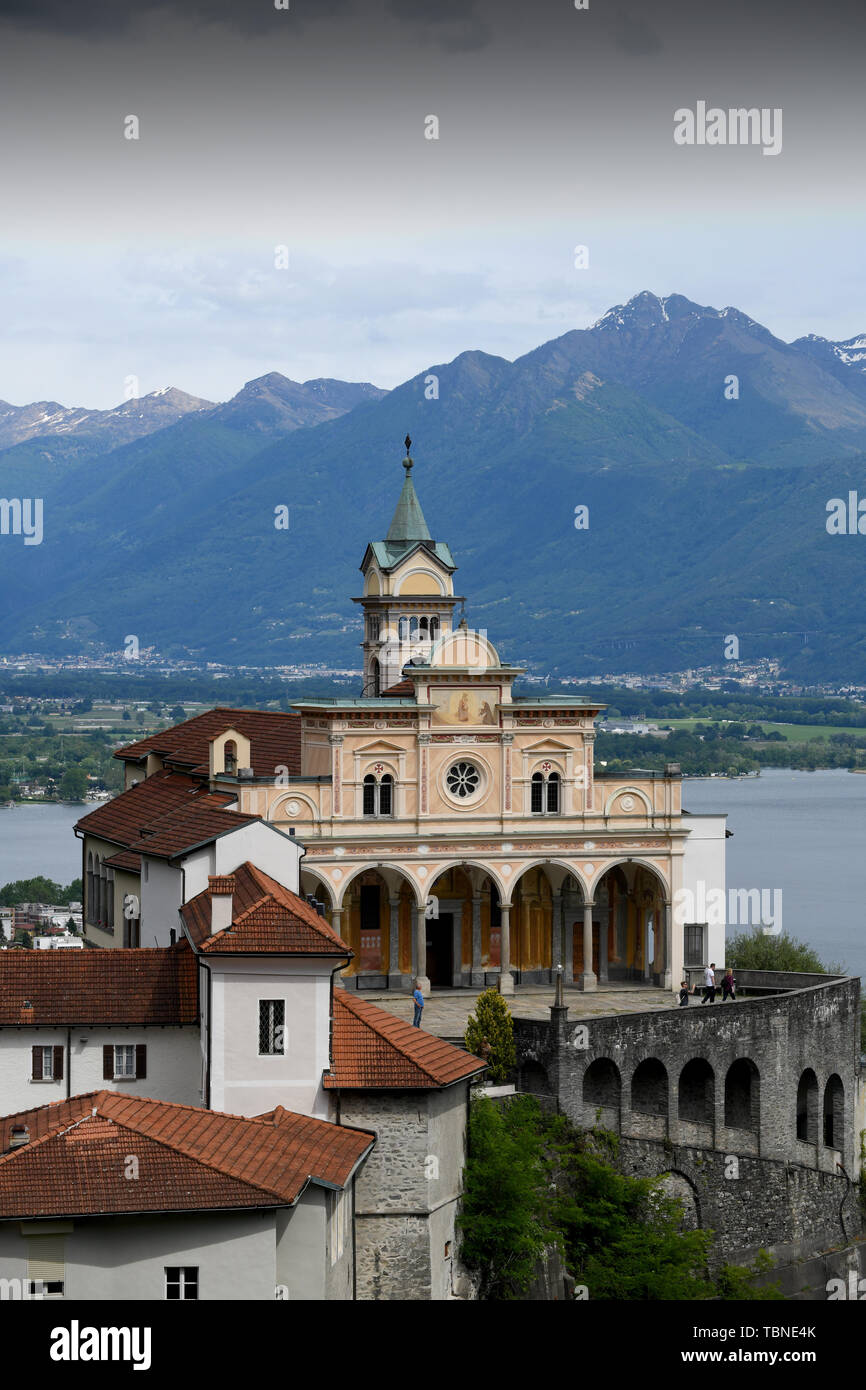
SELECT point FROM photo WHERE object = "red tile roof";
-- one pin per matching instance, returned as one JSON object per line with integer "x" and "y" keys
{"x": 275, "y": 740}
{"x": 141, "y": 987}
{"x": 77, "y": 1159}
{"x": 374, "y": 1050}
{"x": 164, "y": 815}
{"x": 405, "y": 687}
{"x": 266, "y": 918}
{"x": 125, "y": 859}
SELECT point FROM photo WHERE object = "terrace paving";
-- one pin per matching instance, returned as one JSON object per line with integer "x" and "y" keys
{"x": 446, "y": 1011}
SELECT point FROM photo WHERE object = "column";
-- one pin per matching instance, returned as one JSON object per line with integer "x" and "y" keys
{"x": 395, "y": 978}
{"x": 506, "y": 979}
{"x": 645, "y": 946}
{"x": 667, "y": 978}
{"x": 603, "y": 929}
{"x": 556, "y": 935}
{"x": 588, "y": 979}
{"x": 419, "y": 964}
{"x": 569, "y": 908}
{"x": 336, "y": 917}
{"x": 477, "y": 976}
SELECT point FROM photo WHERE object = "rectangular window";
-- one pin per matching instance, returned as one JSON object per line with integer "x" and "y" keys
{"x": 272, "y": 1027}
{"x": 46, "y": 1064}
{"x": 694, "y": 943}
{"x": 124, "y": 1062}
{"x": 181, "y": 1282}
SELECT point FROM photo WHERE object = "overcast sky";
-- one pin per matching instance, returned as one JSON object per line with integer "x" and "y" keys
{"x": 306, "y": 128}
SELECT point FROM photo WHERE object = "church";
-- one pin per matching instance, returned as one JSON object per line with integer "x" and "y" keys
{"x": 457, "y": 833}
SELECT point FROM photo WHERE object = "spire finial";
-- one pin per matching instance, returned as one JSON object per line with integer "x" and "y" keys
{"x": 408, "y": 462}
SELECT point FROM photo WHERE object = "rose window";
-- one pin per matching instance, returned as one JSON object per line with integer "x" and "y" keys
{"x": 463, "y": 779}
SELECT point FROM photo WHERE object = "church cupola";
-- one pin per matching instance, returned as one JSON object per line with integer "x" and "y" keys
{"x": 408, "y": 597}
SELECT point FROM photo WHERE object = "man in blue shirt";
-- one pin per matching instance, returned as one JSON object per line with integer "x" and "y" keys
{"x": 419, "y": 1006}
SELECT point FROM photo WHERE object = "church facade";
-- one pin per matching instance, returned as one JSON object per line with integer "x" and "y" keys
{"x": 462, "y": 835}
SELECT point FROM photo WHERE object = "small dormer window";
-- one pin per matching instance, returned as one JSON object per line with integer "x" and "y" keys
{"x": 230, "y": 758}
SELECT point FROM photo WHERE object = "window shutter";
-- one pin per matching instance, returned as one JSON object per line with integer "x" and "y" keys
{"x": 46, "y": 1258}
{"x": 140, "y": 1060}
{"x": 36, "y": 1065}
{"x": 108, "y": 1062}
{"x": 58, "y": 1063}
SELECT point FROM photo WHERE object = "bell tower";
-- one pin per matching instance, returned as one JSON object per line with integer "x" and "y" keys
{"x": 408, "y": 599}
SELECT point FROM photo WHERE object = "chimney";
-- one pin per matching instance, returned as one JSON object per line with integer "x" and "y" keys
{"x": 221, "y": 888}
{"x": 19, "y": 1137}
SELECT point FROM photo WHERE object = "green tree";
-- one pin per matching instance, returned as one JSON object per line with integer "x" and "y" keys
{"x": 30, "y": 890}
{"x": 177, "y": 713}
{"x": 490, "y": 1034}
{"x": 759, "y": 950}
{"x": 505, "y": 1212}
{"x": 73, "y": 784}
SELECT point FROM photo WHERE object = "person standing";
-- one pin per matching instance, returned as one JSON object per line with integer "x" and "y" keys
{"x": 419, "y": 1005}
{"x": 710, "y": 984}
{"x": 684, "y": 995}
{"x": 729, "y": 985}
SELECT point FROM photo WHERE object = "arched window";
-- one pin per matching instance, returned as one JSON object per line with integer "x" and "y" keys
{"x": 544, "y": 793}
{"x": 414, "y": 629}
{"x": 230, "y": 758}
{"x": 109, "y": 884}
{"x": 373, "y": 628}
{"x": 378, "y": 795}
{"x": 649, "y": 1088}
{"x": 403, "y": 629}
{"x": 697, "y": 1091}
{"x": 424, "y": 629}
{"x": 834, "y": 1113}
{"x": 434, "y": 628}
{"x": 375, "y": 678}
{"x": 807, "y": 1107}
{"x": 742, "y": 1095}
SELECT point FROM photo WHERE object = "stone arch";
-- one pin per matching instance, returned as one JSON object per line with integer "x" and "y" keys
{"x": 426, "y": 583}
{"x": 697, "y": 1091}
{"x": 743, "y": 1095}
{"x": 486, "y": 870}
{"x": 574, "y": 871}
{"x": 628, "y": 791}
{"x": 371, "y": 585}
{"x": 834, "y": 1113}
{"x": 632, "y": 937}
{"x": 677, "y": 1185}
{"x": 807, "y": 1107}
{"x": 314, "y": 882}
{"x": 279, "y": 809}
{"x": 533, "y": 1079}
{"x": 602, "y": 1084}
{"x": 649, "y": 1087}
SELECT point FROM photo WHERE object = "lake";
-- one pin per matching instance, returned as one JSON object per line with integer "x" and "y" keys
{"x": 803, "y": 833}
{"x": 38, "y": 839}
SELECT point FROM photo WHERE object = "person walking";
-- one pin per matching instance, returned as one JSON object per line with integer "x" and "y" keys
{"x": 419, "y": 1005}
{"x": 710, "y": 984}
{"x": 729, "y": 985}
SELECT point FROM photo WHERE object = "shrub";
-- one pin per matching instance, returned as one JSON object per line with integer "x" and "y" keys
{"x": 492, "y": 1025}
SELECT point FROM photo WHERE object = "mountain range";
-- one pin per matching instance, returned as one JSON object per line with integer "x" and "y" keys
{"x": 705, "y": 448}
